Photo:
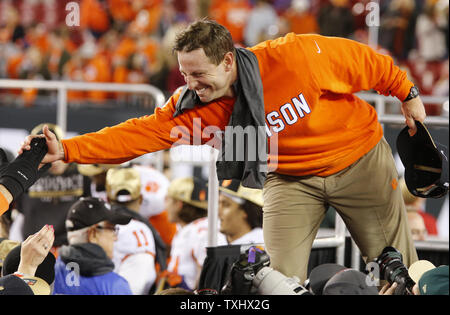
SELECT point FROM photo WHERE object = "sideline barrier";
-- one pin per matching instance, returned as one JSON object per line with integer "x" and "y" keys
{"x": 338, "y": 241}
{"x": 63, "y": 86}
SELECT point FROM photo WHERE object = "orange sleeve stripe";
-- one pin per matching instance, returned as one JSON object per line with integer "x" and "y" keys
{"x": 137, "y": 136}
{"x": 146, "y": 252}
{"x": 4, "y": 204}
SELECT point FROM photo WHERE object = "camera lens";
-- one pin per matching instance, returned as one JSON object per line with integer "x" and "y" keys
{"x": 393, "y": 270}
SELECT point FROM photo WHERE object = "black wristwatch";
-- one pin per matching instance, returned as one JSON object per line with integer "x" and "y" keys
{"x": 413, "y": 93}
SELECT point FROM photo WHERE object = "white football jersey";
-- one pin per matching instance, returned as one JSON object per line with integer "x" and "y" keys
{"x": 134, "y": 256}
{"x": 188, "y": 250}
{"x": 154, "y": 185}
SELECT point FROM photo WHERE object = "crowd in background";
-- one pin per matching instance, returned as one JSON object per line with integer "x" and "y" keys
{"x": 126, "y": 41}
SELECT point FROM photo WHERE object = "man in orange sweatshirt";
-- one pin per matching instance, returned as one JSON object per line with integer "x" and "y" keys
{"x": 330, "y": 148}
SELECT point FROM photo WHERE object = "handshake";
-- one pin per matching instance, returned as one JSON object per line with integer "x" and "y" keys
{"x": 18, "y": 175}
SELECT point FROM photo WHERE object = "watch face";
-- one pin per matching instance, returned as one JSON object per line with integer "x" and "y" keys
{"x": 413, "y": 92}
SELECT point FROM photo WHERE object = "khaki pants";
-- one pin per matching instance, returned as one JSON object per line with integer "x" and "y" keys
{"x": 364, "y": 194}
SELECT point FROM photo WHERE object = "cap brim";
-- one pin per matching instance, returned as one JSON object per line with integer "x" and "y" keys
{"x": 237, "y": 194}
{"x": 89, "y": 170}
{"x": 421, "y": 158}
{"x": 418, "y": 268}
{"x": 94, "y": 169}
{"x": 230, "y": 192}
{"x": 115, "y": 217}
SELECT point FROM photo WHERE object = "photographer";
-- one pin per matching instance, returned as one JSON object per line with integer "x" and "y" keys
{"x": 434, "y": 281}
{"x": 421, "y": 278}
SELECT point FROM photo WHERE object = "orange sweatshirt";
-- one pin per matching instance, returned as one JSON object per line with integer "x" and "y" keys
{"x": 4, "y": 204}
{"x": 308, "y": 81}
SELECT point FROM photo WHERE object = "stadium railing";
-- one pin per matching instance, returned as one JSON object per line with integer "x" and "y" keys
{"x": 337, "y": 241}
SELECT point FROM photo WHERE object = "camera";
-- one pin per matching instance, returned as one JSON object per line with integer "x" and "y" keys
{"x": 251, "y": 275}
{"x": 243, "y": 271}
{"x": 393, "y": 270}
{"x": 271, "y": 282}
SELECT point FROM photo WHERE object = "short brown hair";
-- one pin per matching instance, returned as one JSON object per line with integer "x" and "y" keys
{"x": 190, "y": 213}
{"x": 214, "y": 38}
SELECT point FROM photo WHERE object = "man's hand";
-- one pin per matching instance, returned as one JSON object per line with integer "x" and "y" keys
{"x": 413, "y": 110}
{"x": 23, "y": 172}
{"x": 34, "y": 250}
{"x": 388, "y": 289}
{"x": 55, "y": 148}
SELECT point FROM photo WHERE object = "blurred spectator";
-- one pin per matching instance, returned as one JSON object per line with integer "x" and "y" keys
{"x": 282, "y": 6}
{"x": 424, "y": 73}
{"x": 262, "y": 23}
{"x": 135, "y": 249}
{"x": 6, "y": 245}
{"x": 417, "y": 226}
{"x": 154, "y": 191}
{"x": 123, "y": 41}
{"x": 430, "y": 33}
{"x": 443, "y": 220}
{"x": 6, "y": 219}
{"x": 96, "y": 173}
{"x": 84, "y": 267}
{"x": 122, "y": 11}
{"x": 397, "y": 27}
{"x": 61, "y": 47}
{"x": 336, "y": 19}
{"x": 96, "y": 69}
{"x": 240, "y": 213}
{"x": 167, "y": 76}
{"x": 441, "y": 85}
{"x": 233, "y": 14}
{"x": 186, "y": 204}
{"x": 299, "y": 18}
{"x": 428, "y": 279}
{"x": 421, "y": 223}
{"x": 32, "y": 262}
{"x": 94, "y": 16}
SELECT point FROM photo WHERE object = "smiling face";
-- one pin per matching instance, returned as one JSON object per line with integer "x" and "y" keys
{"x": 208, "y": 80}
